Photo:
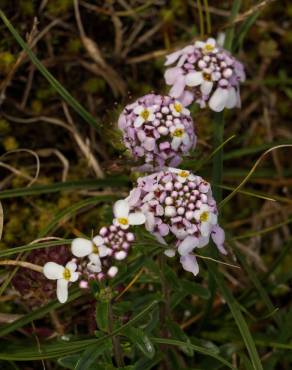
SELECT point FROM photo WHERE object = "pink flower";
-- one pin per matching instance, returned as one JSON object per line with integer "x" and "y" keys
{"x": 205, "y": 73}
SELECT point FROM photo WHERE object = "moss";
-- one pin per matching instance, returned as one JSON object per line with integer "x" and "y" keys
{"x": 10, "y": 143}
{"x": 6, "y": 62}
{"x": 4, "y": 126}
{"x": 59, "y": 7}
{"x": 94, "y": 85}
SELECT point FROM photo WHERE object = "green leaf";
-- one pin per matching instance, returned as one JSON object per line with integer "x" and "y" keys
{"x": 228, "y": 44}
{"x": 56, "y": 349}
{"x": 141, "y": 340}
{"x": 202, "y": 350}
{"x": 50, "y": 78}
{"x": 177, "y": 333}
{"x": 115, "y": 182}
{"x": 37, "y": 314}
{"x": 195, "y": 289}
{"x": 238, "y": 317}
{"x": 72, "y": 210}
{"x": 69, "y": 362}
{"x": 30, "y": 247}
{"x": 102, "y": 312}
{"x": 90, "y": 355}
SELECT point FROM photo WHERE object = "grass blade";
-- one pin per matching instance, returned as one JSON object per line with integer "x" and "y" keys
{"x": 50, "y": 78}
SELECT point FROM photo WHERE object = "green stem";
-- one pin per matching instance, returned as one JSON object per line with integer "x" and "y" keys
{"x": 115, "y": 339}
{"x": 217, "y": 171}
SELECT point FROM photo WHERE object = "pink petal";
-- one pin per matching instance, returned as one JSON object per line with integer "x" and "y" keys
{"x": 190, "y": 264}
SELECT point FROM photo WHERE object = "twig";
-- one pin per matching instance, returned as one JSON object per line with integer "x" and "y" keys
{"x": 24, "y": 264}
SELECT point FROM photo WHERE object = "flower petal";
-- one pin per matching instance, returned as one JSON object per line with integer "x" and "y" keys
{"x": 71, "y": 266}
{"x": 187, "y": 245}
{"x": 194, "y": 79}
{"x": 218, "y": 99}
{"x": 206, "y": 87}
{"x": 74, "y": 277}
{"x": 98, "y": 240}
{"x": 176, "y": 141}
{"x": 53, "y": 271}
{"x": 139, "y": 122}
{"x": 137, "y": 218}
{"x": 81, "y": 247}
{"x": 134, "y": 196}
{"x": 103, "y": 251}
{"x": 171, "y": 75}
{"x": 218, "y": 236}
{"x": 178, "y": 87}
{"x": 205, "y": 228}
{"x": 169, "y": 252}
{"x": 62, "y": 290}
{"x": 232, "y": 98}
{"x": 121, "y": 209}
{"x": 190, "y": 264}
{"x": 171, "y": 58}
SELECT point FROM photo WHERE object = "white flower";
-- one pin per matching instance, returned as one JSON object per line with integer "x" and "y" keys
{"x": 202, "y": 79}
{"x": 223, "y": 97}
{"x": 182, "y": 175}
{"x": 177, "y": 109}
{"x": 207, "y": 47}
{"x": 94, "y": 249}
{"x": 63, "y": 275}
{"x": 124, "y": 218}
{"x": 207, "y": 219}
{"x": 144, "y": 115}
{"x": 179, "y": 136}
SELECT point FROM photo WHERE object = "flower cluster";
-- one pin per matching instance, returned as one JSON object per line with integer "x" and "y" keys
{"x": 96, "y": 258}
{"x": 176, "y": 206}
{"x": 179, "y": 210}
{"x": 205, "y": 73}
{"x": 158, "y": 130}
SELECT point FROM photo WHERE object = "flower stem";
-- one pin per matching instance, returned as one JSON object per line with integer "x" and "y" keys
{"x": 115, "y": 339}
{"x": 217, "y": 171}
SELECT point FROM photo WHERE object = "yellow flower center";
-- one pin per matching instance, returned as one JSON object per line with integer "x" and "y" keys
{"x": 208, "y": 48}
{"x": 145, "y": 114}
{"x": 183, "y": 174}
{"x": 95, "y": 249}
{"x": 204, "y": 216}
{"x": 207, "y": 77}
{"x": 66, "y": 274}
{"x": 178, "y": 132}
{"x": 178, "y": 107}
{"x": 123, "y": 221}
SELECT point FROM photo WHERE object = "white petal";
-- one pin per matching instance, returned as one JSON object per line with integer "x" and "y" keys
{"x": 137, "y": 218}
{"x": 199, "y": 44}
{"x": 186, "y": 140}
{"x": 74, "y": 277}
{"x": 206, "y": 87}
{"x": 218, "y": 99}
{"x": 187, "y": 245}
{"x": 169, "y": 252}
{"x": 71, "y": 266}
{"x": 232, "y": 98}
{"x": 211, "y": 41}
{"x": 213, "y": 218}
{"x": 176, "y": 141}
{"x": 150, "y": 221}
{"x": 205, "y": 228}
{"x": 138, "y": 109}
{"x": 112, "y": 271}
{"x": 189, "y": 263}
{"x": 53, "y": 271}
{"x": 139, "y": 121}
{"x": 120, "y": 255}
{"x": 62, "y": 290}
{"x": 81, "y": 247}
{"x": 103, "y": 251}
{"x": 197, "y": 214}
{"x": 194, "y": 79}
{"x": 121, "y": 209}
{"x": 94, "y": 258}
{"x": 203, "y": 241}
{"x": 98, "y": 240}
